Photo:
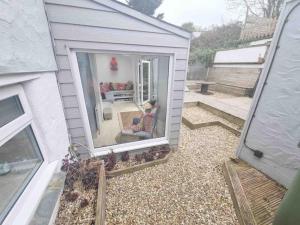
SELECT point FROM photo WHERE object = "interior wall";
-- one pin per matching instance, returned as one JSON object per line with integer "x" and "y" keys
{"x": 125, "y": 72}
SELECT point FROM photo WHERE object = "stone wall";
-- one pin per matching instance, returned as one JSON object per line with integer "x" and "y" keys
{"x": 233, "y": 80}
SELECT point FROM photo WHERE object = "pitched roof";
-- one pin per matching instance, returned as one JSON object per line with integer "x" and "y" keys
{"x": 125, "y": 9}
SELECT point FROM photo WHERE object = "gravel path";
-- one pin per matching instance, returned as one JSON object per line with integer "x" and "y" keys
{"x": 189, "y": 189}
{"x": 199, "y": 115}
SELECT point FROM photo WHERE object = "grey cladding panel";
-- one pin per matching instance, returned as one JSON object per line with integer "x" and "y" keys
{"x": 180, "y": 75}
{"x": 77, "y": 132}
{"x": 72, "y": 113}
{"x": 181, "y": 64}
{"x": 178, "y": 95}
{"x": 61, "y": 49}
{"x": 74, "y": 123}
{"x": 177, "y": 104}
{"x": 68, "y": 89}
{"x": 70, "y": 102}
{"x": 87, "y": 4}
{"x": 63, "y": 62}
{"x": 64, "y": 76}
{"x": 70, "y": 15}
{"x": 94, "y": 34}
{"x": 178, "y": 85}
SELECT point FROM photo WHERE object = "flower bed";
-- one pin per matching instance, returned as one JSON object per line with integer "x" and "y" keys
{"x": 128, "y": 164}
{"x": 83, "y": 192}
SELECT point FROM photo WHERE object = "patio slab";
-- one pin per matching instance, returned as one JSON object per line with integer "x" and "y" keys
{"x": 233, "y": 105}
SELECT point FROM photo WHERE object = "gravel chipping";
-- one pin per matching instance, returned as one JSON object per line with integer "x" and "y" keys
{"x": 198, "y": 115}
{"x": 189, "y": 189}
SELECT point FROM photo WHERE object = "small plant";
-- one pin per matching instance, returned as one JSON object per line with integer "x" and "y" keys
{"x": 148, "y": 156}
{"x": 110, "y": 161}
{"x": 139, "y": 158}
{"x": 84, "y": 202}
{"x": 71, "y": 196}
{"x": 90, "y": 180}
{"x": 71, "y": 165}
{"x": 125, "y": 156}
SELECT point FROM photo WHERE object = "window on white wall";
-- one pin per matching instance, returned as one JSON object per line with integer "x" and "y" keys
{"x": 20, "y": 155}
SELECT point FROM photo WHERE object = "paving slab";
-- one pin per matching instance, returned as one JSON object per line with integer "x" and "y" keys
{"x": 236, "y": 106}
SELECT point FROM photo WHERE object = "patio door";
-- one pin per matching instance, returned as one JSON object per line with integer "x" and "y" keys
{"x": 144, "y": 81}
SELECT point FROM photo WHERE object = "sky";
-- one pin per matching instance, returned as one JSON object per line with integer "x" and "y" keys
{"x": 202, "y": 13}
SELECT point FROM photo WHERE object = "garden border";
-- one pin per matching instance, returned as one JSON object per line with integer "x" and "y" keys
{"x": 115, "y": 173}
{"x": 194, "y": 126}
{"x": 101, "y": 196}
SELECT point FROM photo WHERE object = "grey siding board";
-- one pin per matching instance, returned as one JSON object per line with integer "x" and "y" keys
{"x": 176, "y": 112}
{"x": 181, "y": 64}
{"x": 91, "y": 27}
{"x": 178, "y": 95}
{"x": 78, "y": 33}
{"x": 180, "y": 75}
{"x": 77, "y": 132}
{"x": 175, "y": 127}
{"x": 85, "y": 4}
{"x": 70, "y": 102}
{"x": 63, "y": 62}
{"x": 80, "y": 140}
{"x": 75, "y": 123}
{"x": 140, "y": 16}
{"x": 65, "y": 77}
{"x": 176, "y": 119}
{"x": 177, "y": 104}
{"x": 72, "y": 113}
{"x": 178, "y": 85}
{"x": 70, "y": 15}
{"x": 68, "y": 90}
{"x": 60, "y": 47}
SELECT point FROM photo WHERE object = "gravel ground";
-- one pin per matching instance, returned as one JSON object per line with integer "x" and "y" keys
{"x": 198, "y": 115}
{"x": 189, "y": 189}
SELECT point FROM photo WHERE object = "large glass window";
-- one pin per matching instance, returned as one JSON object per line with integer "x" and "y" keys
{"x": 125, "y": 95}
{"x": 10, "y": 109}
{"x": 20, "y": 156}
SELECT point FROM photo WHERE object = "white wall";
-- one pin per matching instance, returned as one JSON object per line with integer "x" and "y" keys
{"x": 46, "y": 106}
{"x": 241, "y": 55}
{"x": 51, "y": 132}
{"x": 125, "y": 72}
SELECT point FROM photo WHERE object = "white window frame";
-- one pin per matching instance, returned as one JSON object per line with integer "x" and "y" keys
{"x": 80, "y": 96}
{"x": 148, "y": 63}
{"x": 7, "y": 132}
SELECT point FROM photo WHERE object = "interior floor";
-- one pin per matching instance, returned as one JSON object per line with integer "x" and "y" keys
{"x": 111, "y": 128}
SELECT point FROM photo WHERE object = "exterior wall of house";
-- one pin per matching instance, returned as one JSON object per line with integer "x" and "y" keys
{"x": 25, "y": 41}
{"x": 42, "y": 94}
{"x": 90, "y": 25}
{"x": 46, "y": 106}
{"x": 27, "y": 63}
{"x": 273, "y": 126}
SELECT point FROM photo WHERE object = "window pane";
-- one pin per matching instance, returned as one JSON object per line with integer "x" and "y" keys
{"x": 20, "y": 158}
{"x": 10, "y": 109}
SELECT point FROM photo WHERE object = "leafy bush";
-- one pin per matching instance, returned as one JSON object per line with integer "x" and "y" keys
{"x": 204, "y": 56}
